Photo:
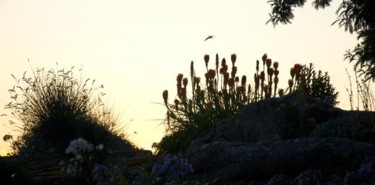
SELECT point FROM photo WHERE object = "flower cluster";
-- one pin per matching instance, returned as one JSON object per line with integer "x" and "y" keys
{"x": 78, "y": 147}
{"x": 172, "y": 168}
{"x": 85, "y": 156}
{"x": 106, "y": 175}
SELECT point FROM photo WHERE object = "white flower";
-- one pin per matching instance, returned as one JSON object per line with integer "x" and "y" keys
{"x": 78, "y": 146}
{"x": 100, "y": 147}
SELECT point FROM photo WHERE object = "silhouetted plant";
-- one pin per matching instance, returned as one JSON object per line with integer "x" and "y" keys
{"x": 87, "y": 164}
{"x": 318, "y": 85}
{"x": 220, "y": 95}
{"x": 54, "y": 108}
{"x": 305, "y": 80}
{"x": 365, "y": 95}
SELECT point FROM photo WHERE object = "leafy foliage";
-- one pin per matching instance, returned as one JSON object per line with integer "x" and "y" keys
{"x": 354, "y": 15}
{"x": 54, "y": 108}
{"x": 317, "y": 85}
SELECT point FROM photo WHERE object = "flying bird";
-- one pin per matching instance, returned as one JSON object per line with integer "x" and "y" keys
{"x": 209, "y": 37}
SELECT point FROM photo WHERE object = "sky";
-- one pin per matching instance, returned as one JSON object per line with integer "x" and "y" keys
{"x": 136, "y": 48}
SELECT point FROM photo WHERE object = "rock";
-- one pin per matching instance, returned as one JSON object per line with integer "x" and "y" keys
{"x": 272, "y": 136}
{"x": 272, "y": 119}
{"x": 232, "y": 160}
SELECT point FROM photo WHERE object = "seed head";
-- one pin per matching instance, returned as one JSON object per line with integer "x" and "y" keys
{"x": 276, "y": 72}
{"x": 197, "y": 80}
{"x": 243, "y": 80}
{"x": 206, "y": 59}
{"x": 179, "y": 77}
{"x": 165, "y": 96}
{"x": 237, "y": 79}
{"x": 185, "y": 82}
{"x": 268, "y": 62}
{"x": 211, "y": 74}
{"x": 270, "y": 71}
{"x": 275, "y": 65}
{"x": 225, "y": 68}
{"x": 233, "y": 58}
{"x": 292, "y": 72}
{"x": 264, "y": 58}
{"x": 223, "y": 62}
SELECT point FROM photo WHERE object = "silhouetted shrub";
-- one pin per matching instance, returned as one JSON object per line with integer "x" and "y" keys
{"x": 317, "y": 85}
{"x": 54, "y": 108}
{"x": 364, "y": 94}
{"x": 219, "y": 95}
{"x": 222, "y": 93}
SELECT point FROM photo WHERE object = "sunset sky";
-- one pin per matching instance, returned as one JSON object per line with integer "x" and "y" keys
{"x": 136, "y": 48}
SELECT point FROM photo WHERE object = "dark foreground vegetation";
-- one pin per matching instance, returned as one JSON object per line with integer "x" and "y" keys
{"x": 221, "y": 129}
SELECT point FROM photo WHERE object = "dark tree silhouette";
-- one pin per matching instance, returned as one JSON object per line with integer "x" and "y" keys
{"x": 356, "y": 16}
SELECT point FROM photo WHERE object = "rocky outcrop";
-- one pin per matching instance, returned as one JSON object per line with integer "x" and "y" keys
{"x": 231, "y": 160}
{"x": 273, "y": 119}
{"x": 272, "y": 136}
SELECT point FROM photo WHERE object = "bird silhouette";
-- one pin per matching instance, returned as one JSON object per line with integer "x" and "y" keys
{"x": 209, "y": 37}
